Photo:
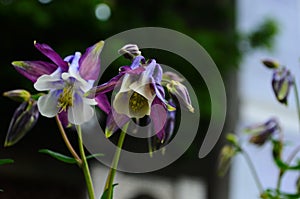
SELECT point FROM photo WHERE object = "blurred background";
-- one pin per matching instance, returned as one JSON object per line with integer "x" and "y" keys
{"x": 236, "y": 33}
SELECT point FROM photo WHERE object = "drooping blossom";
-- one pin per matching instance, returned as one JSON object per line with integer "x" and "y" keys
{"x": 281, "y": 83}
{"x": 282, "y": 80}
{"x": 140, "y": 93}
{"x": 262, "y": 132}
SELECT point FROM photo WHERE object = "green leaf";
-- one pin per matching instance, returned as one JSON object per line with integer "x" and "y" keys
{"x": 105, "y": 193}
{"x": 64, "y": 158}
{"x": 59, "y": 156}
{"x": 273, "y": 194}
{"x": 6, "y": 161}
{"x": 277, "y": 150}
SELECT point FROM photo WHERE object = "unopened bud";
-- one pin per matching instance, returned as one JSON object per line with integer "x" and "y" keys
{"x": 18, "y": 95}
{"x": 225, "y": 157}
{"x": 181, "y": 93}
{"x": 169, "y": 76}
{"x": 130, "y": 51}
{"x": 271, "y": 64}
{"x": 24, "y": 118}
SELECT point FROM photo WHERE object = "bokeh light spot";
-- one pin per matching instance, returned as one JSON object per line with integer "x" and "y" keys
{"x": 102, "y": 12}
{"x": 45, "y": 1}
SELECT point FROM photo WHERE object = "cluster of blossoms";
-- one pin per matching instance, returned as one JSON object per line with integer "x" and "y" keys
{"x": 70, "y": 93}
{"x": 268, "y": 132}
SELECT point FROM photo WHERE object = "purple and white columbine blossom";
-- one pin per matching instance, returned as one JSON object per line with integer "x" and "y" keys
{"x": 140, "y": 93}
{"x": 68, "y": 82}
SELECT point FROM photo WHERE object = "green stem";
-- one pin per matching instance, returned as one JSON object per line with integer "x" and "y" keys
{"x": 253, "y": 171}
{"x": 67, "y": 142}
{"x": 293, "y": 155}
{"x": 297, "y": 100}
{"x": 113, "y": 169}
{"x": 85, "y": 166}
{"x": 280, "y": 175}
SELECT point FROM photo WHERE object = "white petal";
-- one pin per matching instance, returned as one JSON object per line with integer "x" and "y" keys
{"x": 127, "y": 80}
{"x": 89, "y": 101}
{"x": 121, "y": 103}
{"x": 80, "y": 112}
{"x": 79, "y": 82}
{"x": 48, "y": 82}
{"x": 74, "y": 66}
{"x": 47, "y": 104}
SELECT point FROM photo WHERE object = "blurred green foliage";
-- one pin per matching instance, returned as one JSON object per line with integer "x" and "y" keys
{"x": 70, "y": 26}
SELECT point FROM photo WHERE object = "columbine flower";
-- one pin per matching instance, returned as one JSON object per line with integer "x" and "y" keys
{"x": 137, "y": 92}
{"x": 140, "y": 93}
{"x": 140, "y": 90}
{"x": 281, "y": 83}
{"x": 68, "y": 82}
{"x": 282, "y": 80}
{"x": 263, "y": 132}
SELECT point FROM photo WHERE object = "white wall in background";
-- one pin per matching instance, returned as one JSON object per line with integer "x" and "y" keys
{"x": 257, "y": 99}
{"x": 130, "y": 185}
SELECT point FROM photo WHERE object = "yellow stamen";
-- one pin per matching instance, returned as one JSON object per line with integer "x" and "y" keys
{"x": 66, "y": 98}
{"x": 137, "y": 104}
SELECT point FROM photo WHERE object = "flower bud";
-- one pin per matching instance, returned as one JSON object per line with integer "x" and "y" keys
{"x": 271, "y": 64}
{"x": 232, "y": 139}
{"x": 169, "y": 76}
{"x": 281, "y": 83}
{"x": 18, "y": 95}
{"x": 24, "y": 118}
{"x": 263, "y": 132}
{"x": 130, "y": 51}
{"x": 225, "y": 157}
{"x": 181, "y": 93}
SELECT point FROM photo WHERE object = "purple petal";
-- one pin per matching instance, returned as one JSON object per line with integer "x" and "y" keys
{"x": 114, "y": 122}
{"x": 160, "y": 92}
{"x": 136, "y": 71}
{"x": 52, "y": 55}
{"x": 158, "y": 116}
{"x": 136, "y": 62}
{"x": 110, "y": 85}
{"x": 63, "y": 117}
{"x": 103, "y": 103}
{"x": 157, "y": 73}
{"x": 32, "y": 70}
{"x": 89, "y": 63}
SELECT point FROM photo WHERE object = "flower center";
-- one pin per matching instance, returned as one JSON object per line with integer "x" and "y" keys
{"x": 138, "y": 104}
{"x": 66, "y": 98}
